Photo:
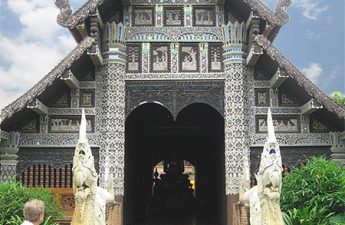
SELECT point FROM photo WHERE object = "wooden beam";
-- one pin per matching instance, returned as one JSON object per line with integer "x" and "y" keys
{"x": 311, "y": 106}
{"x": 278, "y": 78}
{"x": 254, "y": 55}
{"x": 70, "y": 79}
{"x": 38, "y": 107}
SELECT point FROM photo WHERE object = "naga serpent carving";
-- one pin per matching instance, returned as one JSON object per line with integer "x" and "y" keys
{"x": 264, "y": 198}
{"x": 66, "y": 19}
{"x": 275, "y": 19}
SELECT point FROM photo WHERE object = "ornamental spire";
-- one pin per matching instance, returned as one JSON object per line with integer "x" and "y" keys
{"x": 82, "y": 131}
{"x": 270, "y": 129}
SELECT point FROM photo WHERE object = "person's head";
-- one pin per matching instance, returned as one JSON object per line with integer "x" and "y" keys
{"x": 34, "y": 211}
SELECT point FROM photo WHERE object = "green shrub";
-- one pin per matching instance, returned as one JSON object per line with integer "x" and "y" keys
{"x": 306, "y": 216}
{"x": 13, "y": 197}
{"x": 313, "y": 192}
{"x": 337, "y": 219}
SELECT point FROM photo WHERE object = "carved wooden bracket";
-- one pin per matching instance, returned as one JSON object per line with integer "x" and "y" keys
{"x": 311, "y": 106}
{"x": 254, "y": 55}
{"x": 38, "y": 107}
{"x": 70, "y": 79}
{"x": 278, "y": 78}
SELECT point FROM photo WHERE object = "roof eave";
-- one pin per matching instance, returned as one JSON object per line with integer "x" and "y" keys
{"x": 298, "y": 76}
{"x": 46, "y": 81}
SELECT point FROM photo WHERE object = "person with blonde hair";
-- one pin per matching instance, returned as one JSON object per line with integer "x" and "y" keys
{"x": 33, "y": 212}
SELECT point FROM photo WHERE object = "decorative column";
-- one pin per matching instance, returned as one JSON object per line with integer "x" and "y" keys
{"x": 8, "y": 156}
{"x": 236, "y": 132}
{"x": 338, "y": 147}
{"x": 236, "y": 113}
{"x": 110, "y": 107}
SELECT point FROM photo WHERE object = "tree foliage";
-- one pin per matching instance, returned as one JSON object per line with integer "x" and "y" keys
{"x": 13, "y": 197}
{"x": 338, "y": 98}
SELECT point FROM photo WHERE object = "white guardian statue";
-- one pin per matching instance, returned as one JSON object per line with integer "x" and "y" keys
{"x": 90, "y": 200}
{"x": 264, "y": 198}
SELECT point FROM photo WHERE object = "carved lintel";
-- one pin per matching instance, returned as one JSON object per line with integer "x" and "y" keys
{"x": 38, "y": 107}
{"x": 311, "y": 106}
{"x": 278, "y": 78}
{"x": 82, "y": 30}
{"x": 70, "y": 79}
{"x": 254, "y": 55}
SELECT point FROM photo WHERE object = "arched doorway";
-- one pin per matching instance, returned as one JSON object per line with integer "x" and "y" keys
{"x": 196, "y": 135}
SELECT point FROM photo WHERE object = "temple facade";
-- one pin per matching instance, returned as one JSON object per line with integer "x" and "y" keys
{"x": 193, "y": 77}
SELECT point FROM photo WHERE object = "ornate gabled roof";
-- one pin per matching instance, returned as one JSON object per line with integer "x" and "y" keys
{"x": 301, "y": 80}
{"x": 46, "y": 81}
{"x": 69, "y": 20}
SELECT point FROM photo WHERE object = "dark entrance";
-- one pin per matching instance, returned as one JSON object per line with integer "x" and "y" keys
{"x": 153, "y": 135}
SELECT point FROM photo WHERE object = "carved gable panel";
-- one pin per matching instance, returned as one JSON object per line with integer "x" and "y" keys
{"x": 63, "y": 101}
{"x": 262, "y": 97}
{"x": 282, "y": 124}
{"x": 143, "y": 16}
{"x": 87, "y": 98}
{"x": 286, "y": 99}
{"x": 189, "y": 57}
{"x": 173, "y": 16}
{"x": 134, "y": 58}
{"x": 31, "y": 127}
{"x": 258, "y": 75}
{"x": 160, "y": 57}
{"x": 204, "y": 16}
{"x": 319, "y": 126}
{"x": 69, "y": 124}
{"x": 215, "y": 59}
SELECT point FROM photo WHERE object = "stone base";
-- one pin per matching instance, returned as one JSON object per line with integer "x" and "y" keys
{"x": 113, "y": 213}
{"x": 242, "y": 214}
{"x": 231, "y": 201}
